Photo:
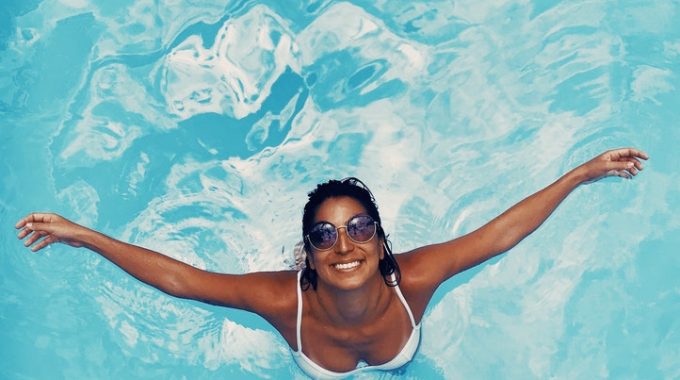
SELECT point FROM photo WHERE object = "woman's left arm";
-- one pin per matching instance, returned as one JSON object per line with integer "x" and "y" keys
{"x": 441, "y": 261}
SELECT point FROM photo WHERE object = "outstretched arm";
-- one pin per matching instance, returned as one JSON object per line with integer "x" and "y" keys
{"x": 441, "y": 261}
{"x": 254, "y": 292}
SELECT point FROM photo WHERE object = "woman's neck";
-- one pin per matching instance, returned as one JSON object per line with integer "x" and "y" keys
{"x": 352, "y": 307}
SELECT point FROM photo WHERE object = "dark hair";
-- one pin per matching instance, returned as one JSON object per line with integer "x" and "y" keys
{"x": 357, "y": 190}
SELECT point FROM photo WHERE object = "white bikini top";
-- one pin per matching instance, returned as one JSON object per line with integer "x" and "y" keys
{"x": 315, "y": 371}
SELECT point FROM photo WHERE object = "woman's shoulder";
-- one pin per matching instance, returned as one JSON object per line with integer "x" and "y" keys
{"x": 426, "y": 267}
{"x": 417, "y": 282}
{"x": 260, "y": 292}
{"x": 274, "y": 297}
{"x": 413, "y": 265}
{"x": 408, "y": 273}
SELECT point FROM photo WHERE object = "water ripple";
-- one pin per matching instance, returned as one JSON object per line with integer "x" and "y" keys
{"x": 197, "y": 131}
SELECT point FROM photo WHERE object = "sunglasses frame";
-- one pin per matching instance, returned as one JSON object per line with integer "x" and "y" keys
{"x": 337, "y": 232}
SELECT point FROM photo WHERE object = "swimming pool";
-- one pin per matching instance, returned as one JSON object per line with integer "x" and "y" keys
{"x": 197, "y": 130}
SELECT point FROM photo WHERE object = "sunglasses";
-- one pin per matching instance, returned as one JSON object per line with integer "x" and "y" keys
{"x": 360, "y": 229}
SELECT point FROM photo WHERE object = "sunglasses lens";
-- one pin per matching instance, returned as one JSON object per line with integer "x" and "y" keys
{"x": 361, "y": 228}
{"x": 323, "y": 236}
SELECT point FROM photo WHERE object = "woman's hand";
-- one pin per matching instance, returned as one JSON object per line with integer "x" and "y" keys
{"x": 46, "y": 228}
{"x": 623, "y": 162}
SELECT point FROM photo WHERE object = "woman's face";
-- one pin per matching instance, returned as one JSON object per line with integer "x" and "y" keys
{"x": 348, "y": 264}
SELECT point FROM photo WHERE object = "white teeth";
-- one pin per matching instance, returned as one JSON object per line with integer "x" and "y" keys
{"x": 351, "y": 265}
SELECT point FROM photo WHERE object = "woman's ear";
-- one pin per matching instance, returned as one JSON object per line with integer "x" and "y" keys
{"x": 382, "y": 248}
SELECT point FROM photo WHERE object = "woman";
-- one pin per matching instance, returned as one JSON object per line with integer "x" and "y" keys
{"x": 355, "y": 306}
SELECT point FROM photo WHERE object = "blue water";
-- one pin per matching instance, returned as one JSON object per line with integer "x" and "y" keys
{"x": 197, "y": 130}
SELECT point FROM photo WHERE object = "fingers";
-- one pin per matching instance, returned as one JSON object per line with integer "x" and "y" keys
{"x": 636, "y": 165}
{"x": 622, "y": 153}
{"x": 625, "y": 160}
{"x": 39, "y": 217}
{"x": 33, "y": 232}
{"x": 31, "y": 226}
{"x": 24, "y": 232}
{"x": 636, "y": 162}
{"x": 625, "y": 169}
{"x": 34, "y": 237}
{"x": 43, "y": 243}
{"x": 623, "y": 174}
{"x": 22, "y": 222}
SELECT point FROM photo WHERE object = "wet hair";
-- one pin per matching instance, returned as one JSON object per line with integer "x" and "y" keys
{"x": 357, "y": 190}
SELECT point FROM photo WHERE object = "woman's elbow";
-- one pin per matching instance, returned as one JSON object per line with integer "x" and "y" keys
{"x": 177, "y": 286}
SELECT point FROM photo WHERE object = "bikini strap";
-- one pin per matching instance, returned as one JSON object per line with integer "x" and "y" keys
{"x": 299, "y": 312}
{"x": 406, "y": 306}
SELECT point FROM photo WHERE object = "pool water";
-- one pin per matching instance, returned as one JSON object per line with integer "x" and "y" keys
{"x": 196, "y": 129}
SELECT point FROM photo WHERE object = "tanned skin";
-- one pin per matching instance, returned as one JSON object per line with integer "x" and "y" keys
{"x": 352, "y": 315}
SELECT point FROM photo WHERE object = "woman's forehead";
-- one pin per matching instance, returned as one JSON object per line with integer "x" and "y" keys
{"x": 338, "y": 210}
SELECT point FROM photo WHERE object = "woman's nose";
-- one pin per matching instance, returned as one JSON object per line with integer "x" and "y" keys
{"x": 344, "y": 244}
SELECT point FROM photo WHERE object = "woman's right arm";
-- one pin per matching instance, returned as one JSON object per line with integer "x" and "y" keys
{"x": 256, "y": 292}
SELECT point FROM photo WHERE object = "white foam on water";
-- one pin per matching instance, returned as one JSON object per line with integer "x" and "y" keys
{"x": 346, "y": 26}
{"x": 234, "y": 75}
{"x": 82, "y": 198}
{"x": 256, "y": 351}
{"x": 648, "y": 82}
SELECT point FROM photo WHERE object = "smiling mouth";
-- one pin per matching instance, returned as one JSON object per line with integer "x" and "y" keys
{"x": 347, "y": 266}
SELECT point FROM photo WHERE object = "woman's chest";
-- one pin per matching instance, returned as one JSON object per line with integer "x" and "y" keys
{"x": 342, "y": 348}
